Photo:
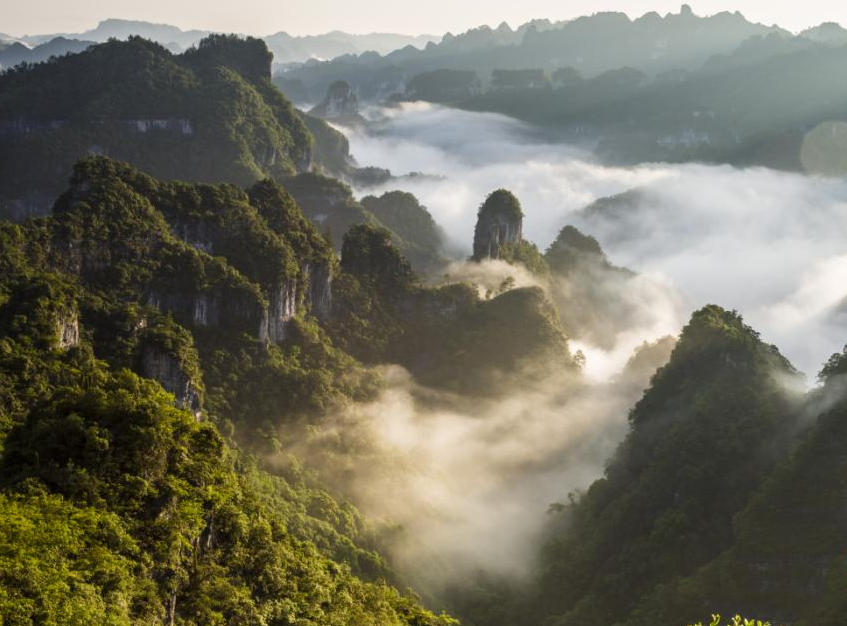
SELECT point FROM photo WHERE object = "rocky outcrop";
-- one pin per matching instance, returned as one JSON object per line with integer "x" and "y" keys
{"x": 20, "y": 127}
{"x": 158, "y": 364}
{"x": 196, "y": 234}
{"x": 282, "y": 309}
{"x": 499, "y": 221}
{"x": 319, "y": 294}
{"x": 67, "y": 330}
{"x": 223, "y": 306}
{"x": 312, "y": 288}
{"x": 172, "y": 125}
{"x": 340, "y": 104}
{"x": 315, "y": 294}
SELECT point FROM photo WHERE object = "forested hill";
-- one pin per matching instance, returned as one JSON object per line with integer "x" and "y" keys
{"x": 726, "y": 496}
{"x": 153, "y": 337}
{"x": 209, "y": 114}
{"x": 159, "y": 339}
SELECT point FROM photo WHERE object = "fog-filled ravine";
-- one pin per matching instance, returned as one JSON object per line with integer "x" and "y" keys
{"x": 768, "y": 243}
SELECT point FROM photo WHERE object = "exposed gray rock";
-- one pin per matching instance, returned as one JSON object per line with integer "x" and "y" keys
{"x": 20, "y": 127}
{"x": 500, "y": 221}
{"x": 172, "y": 125}
{"x": 67, "y": 330}
{"x": 282, "y": 310}
{"x": 165, "y": 368}
{"x": 319, "y": 294}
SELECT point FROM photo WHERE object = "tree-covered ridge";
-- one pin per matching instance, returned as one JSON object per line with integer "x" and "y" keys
{"x": 416, "y": 232}
{"x": 176, "y": 525}
{"x": 143, "y": 262}
{"x": 447, "y": 336}
{"x": 330, "y": 204}
{"x": 733, "y": 109}
{"x": 210, "y": 114}
{"x": 460, "y": 64}
{"x": 667, "y": 502}
{"x": 119, "y": 508}
{"x": 787, "y": 556}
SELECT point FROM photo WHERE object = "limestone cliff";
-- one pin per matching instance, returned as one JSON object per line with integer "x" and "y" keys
{"x": 166, "y": 368}
{"x": 499, "y": 221}
{"x": 67, "y": 330}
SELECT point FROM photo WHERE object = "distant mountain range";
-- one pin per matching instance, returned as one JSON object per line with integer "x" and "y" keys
{"x": 16, "y": 52}
{"x": 286, "y": 48}
{"x": 592, "y": 45}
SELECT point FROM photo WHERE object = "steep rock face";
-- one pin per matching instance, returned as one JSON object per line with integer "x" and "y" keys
{"x": 282, "y": 309}
{"x": 67, "y": 330}
{"x": 319, "y": 294}
{"x": 313, "y": 291}
{"x": 224, "y": 306}
{"x": 165, "y": 368}
{"x": 340, "y": 104}
{"x": 499, "y": 221}
{"x": 172, "y": 125}
{"x": 310, "y": 287}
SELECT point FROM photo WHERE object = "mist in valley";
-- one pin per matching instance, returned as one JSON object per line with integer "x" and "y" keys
{"x": 764, "y": 242}
{"x": 466, "y": 483}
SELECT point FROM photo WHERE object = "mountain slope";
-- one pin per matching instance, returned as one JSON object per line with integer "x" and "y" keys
{"x": 667, "y": 501}
{"x": 210, "y": 114}
{"x": 127, "y": 352}
{"x": 788, "y": 554}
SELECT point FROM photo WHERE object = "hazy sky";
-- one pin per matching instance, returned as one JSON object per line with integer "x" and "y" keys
{"x": 260, "y": 17}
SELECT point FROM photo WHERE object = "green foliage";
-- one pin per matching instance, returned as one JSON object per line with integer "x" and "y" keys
{"x": 64, "y": 564}
{"x": 369, "y": 255}
{"x": 164, "y": 527}
{"x": 159, "y": 518}
{"x": 331, "y": 147}
{"x": 527, "y": 254}
{"x": 665, "y": 507}
{"x": 786, "y": 557}
{"x": 329, "y": 203}
{"x": 501, "y": 202}
{"x": 210, "y": 114}
{"x": 415, "y": 232}
{"x": 835, "y": 366}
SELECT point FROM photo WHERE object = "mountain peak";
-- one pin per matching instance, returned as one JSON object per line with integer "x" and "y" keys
{"x": 499, "y": 221}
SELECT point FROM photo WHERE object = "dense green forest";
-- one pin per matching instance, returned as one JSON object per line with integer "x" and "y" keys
{"x": 159, "y": 338}
{"x": 210, "y": 114}
{"x": 190, "y": 293}
{"x": 155, "y": 338}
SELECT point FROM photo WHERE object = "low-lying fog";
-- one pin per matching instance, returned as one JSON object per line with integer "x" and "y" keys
{"x": 469, "y": 481}
{"x": 770, "y": 244}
